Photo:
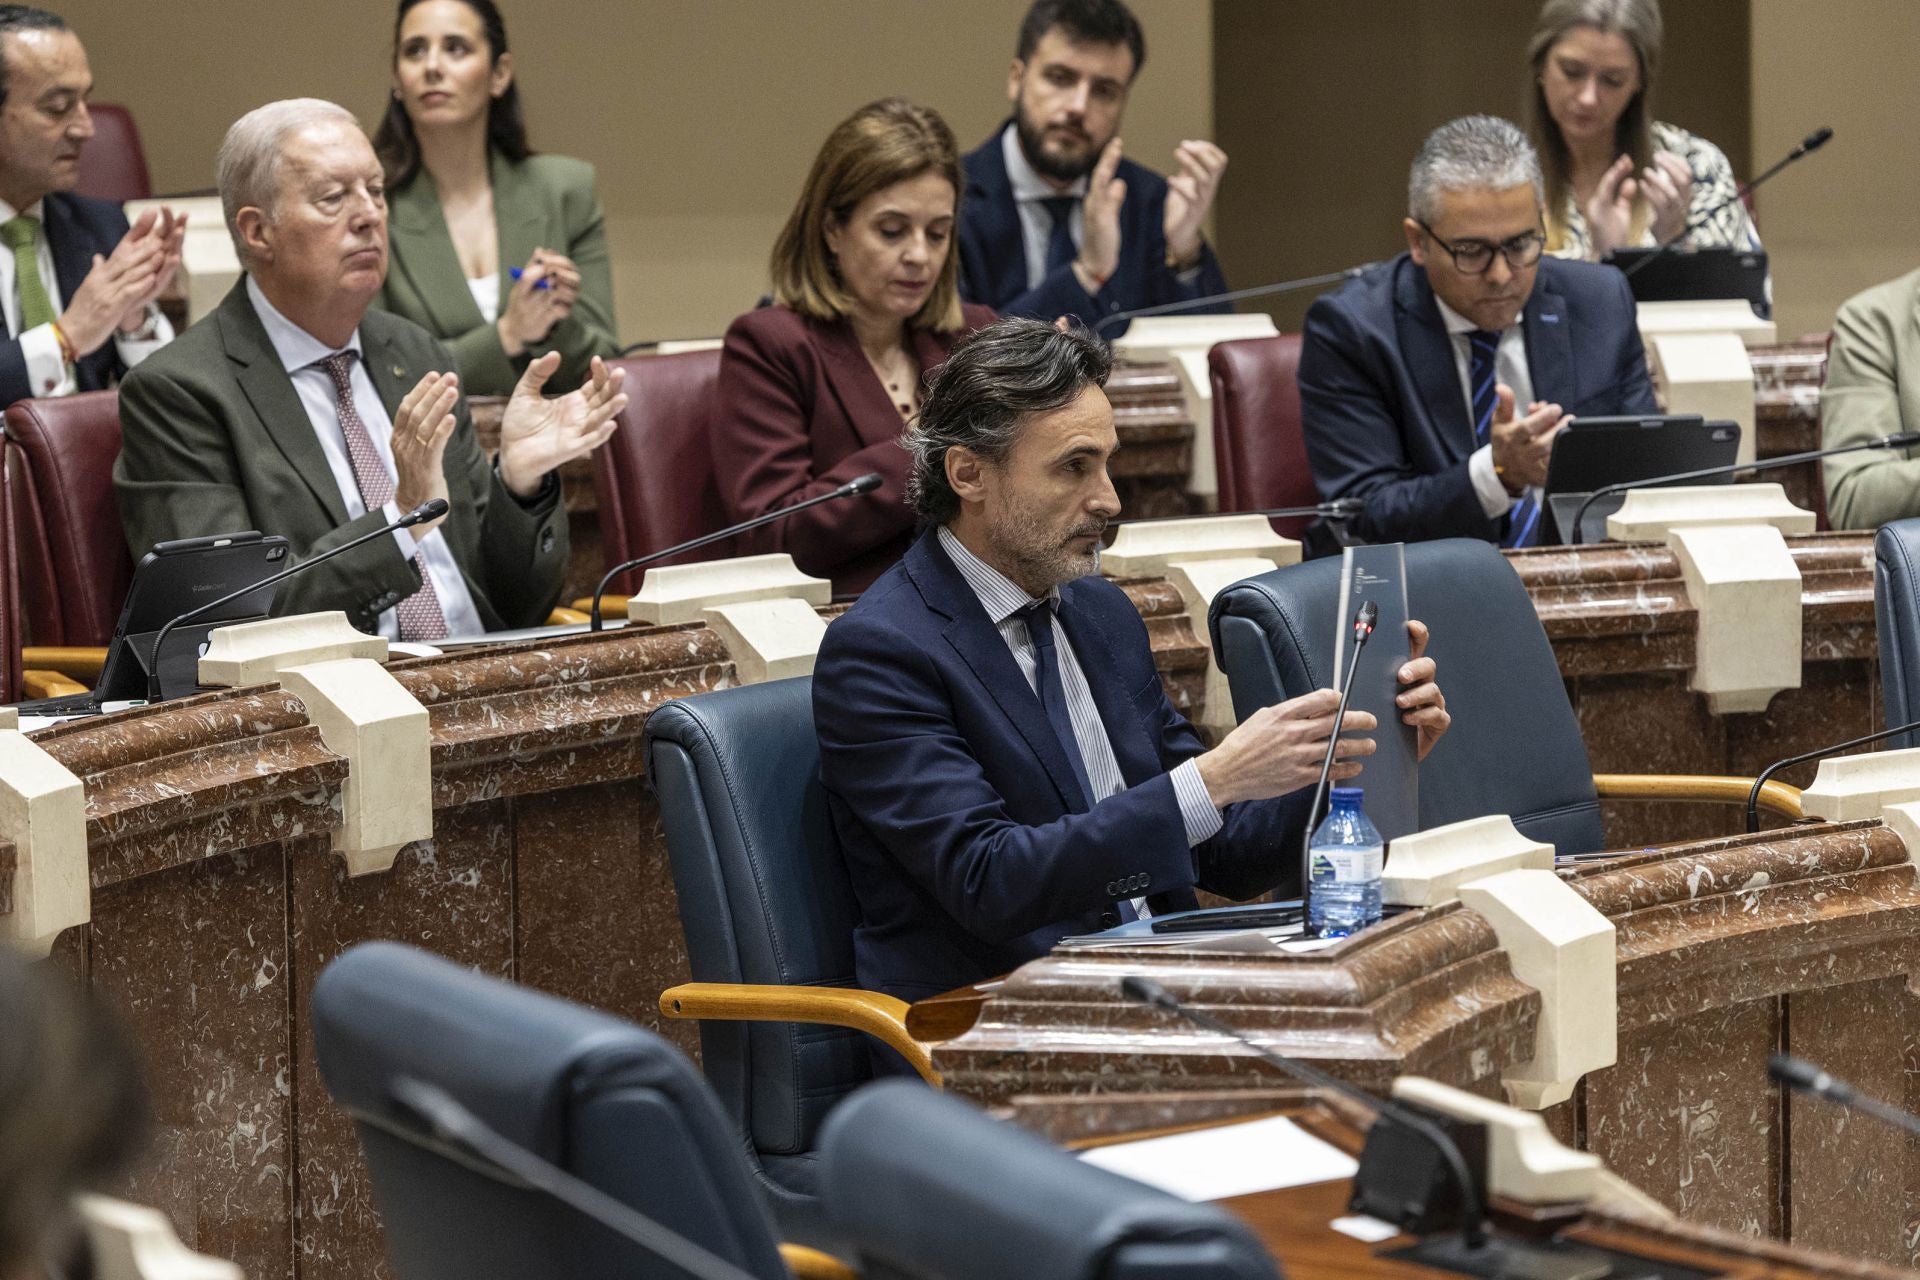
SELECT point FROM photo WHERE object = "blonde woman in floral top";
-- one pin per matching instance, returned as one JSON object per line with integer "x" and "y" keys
{"x": 1615, "y": 177}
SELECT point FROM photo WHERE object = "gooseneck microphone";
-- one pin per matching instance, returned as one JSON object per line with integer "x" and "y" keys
{"x": 1389, "y": 1185}
{"x": 1335, "y": 512}
{"x": 1363, "y": 620}
{"x": 1804, "y": 1077}
{"x": 1766, "y": 774}
{"x": 852, "y": 488}
{"x": 1232, "y": 295}
{"x": 431, "y": 509}
{"x": 456, "y": 1126}
{"x": 1902, "y": 440}
{"x": 1811, "y": 143}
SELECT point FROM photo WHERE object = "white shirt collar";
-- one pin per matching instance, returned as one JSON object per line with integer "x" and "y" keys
{"x": 295, "y": 346}
{"x": 37, "y": 210}
{"x": 1458, "y": 324}
{"x": 999, "y": 595}
{"x": 1025, "y": 179}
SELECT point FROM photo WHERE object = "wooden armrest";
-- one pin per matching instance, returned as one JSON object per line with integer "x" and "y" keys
{"x": 82, "y": 664}
{"x": 1775, "y": 797}
{"x": 48, "y": 684}
{"x": 611, "y": 607}
{"x": 811, "y": 1264}
{"x": 563, "y": 617}
{"x": 882, "y": 1016}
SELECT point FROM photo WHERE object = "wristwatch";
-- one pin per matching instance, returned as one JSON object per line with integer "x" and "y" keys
{"x": 149, "y": 328}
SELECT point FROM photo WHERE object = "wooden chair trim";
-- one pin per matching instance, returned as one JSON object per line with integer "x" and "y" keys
{"x": 811, "y": 1264}
{"x": 73, "y": 661}
{"x": 882, "y": 1016}
{"x": 1775, "y": 797}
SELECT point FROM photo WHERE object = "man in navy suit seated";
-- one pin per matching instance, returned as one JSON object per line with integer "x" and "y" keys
{"x": 1000, "y": 759}
{"x": 1413, "y": 376}
{"x": 78, "y": 286}
{"x": 1055, "y": 222}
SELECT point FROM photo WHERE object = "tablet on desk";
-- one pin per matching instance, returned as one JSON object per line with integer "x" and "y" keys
{"x": 1593, "y": 453}
{"x": 1697, "y": 275}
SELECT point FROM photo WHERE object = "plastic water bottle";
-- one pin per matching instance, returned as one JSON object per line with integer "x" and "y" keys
{"x": 1346, "y": 856}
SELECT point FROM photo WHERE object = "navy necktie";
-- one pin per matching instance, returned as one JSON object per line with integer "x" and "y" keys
{"x": 1060, "y": 246}
{"x": 1053, "y": 695}
{"x": 1483, "y": 352}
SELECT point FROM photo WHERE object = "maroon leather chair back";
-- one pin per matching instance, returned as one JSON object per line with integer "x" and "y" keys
{"x": 654, "y": 477}
{"x": 74, "y": 568}
{"x": 10, "y": 637}
{"x": 1259, "y": 446}
{"x": 112, "y": 164}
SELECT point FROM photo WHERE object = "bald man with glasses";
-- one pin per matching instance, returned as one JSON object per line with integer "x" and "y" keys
{"x": 1433, "y": 385}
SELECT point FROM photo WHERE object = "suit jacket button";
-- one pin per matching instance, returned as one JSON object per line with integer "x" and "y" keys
{"x": 546, "y": 541}
{"x": 1108, "y": 919}
{"x": 1113, "y": 888}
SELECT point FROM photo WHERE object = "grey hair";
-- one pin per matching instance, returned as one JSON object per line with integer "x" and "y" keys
{"x": 1473, "y": 153}
{"x": 247, "y": 168}
{"x": 988, "y": 387}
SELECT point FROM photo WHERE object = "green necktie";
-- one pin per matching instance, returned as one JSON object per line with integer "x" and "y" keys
{"x": 22, "y": 235}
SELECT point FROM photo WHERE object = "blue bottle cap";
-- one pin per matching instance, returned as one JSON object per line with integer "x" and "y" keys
{"x": 1346, "y": 795}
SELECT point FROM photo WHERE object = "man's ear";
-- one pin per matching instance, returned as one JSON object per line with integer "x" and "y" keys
{"x": 1416, "y": 240}
{"x": 964, "y": 468}
{"x": 256, "y": 232}
{"x": 1014, "y": 73}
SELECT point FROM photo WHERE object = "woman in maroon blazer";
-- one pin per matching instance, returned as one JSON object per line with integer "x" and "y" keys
{"x": 817, "y": 388}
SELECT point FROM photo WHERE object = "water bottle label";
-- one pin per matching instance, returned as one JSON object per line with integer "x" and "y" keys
{"x": 1350, "y": 866}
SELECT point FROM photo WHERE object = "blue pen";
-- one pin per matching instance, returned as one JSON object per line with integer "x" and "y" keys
{"x": 544, "y": 282}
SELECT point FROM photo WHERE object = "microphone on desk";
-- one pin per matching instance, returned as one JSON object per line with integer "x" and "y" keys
{"x": 1804, "y": 1077}
{"x": 1811, "y": 143}
{"x": 1902, "y": 440}
{"x": 1399, "y": 1181}
{"x": 1363, "y": 620}
{"x": 1759, "y": 783}
{"x": 1231, "y": 295}
{"x": 852, "y": 488}
{"x": 456, "y": 1126}
{"x": 431, "y": 509}
{"x": 1338, "y": 511}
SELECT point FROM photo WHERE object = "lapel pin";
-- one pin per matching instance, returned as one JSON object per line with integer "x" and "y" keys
{"x": 398, "y": 372}
{"x": 1549, "y": 317}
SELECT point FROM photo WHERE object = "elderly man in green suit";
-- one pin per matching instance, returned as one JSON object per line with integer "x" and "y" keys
{"x": 294, "y": 409}
{"x": 1873, "y": 390}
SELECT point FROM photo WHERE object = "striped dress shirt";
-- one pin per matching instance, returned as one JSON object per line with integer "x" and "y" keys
{"x": 1003, "y": 601}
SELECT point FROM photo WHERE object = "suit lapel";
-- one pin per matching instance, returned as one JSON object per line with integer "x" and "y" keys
{"x": 269, "y": 390}
{"x": 1549, "y": 346}
{"x": 423, "y": 250}
{"x": 863, "y": 399}
{"x": 72, "y": 251}
{"x": 1133, "y": 750}
{"x": 1428, "y": 350}
{"x": 990, "y": 207}
{"x": 979, "y": 644}
{"x": 517, "y": 218}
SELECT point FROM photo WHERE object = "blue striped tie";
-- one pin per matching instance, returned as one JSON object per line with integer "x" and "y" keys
{"x": 1483, "y": 349}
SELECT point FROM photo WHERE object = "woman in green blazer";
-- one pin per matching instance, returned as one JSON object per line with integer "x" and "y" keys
{"x": 500, "y": 253}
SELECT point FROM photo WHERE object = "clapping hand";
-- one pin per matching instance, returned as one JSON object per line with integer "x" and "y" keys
{"x": 1190, "y": 194}
{"x": 115, "y": 294}
{"x": 538, "y": 434}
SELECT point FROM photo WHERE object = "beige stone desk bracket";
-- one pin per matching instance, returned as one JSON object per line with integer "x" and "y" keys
{"x": 132, "y": 1242}
{"x": 769, "y": 639}
{"x": 1709, "y": 374}
{"x": 1528, "y": 1164}
{"x": 679, "y": 593}
{"x": 1559, "y": 945}
{"x": 1427, "y": 868}
{"x": 366, "y": 716}
{"x": 43, "y": 810}
{"x": 1186, "y": 341}
{"x": 1873, "y": 785}
{"x": 257, "y": 652}
{"x": 1201, "y": 557}
{"x": 1741, "y": 579}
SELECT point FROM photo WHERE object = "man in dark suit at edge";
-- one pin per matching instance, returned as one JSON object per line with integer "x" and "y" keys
{"x": 993, "y": 795}
{"x": 1412, "y": 376}
{"x": 78, "y": 284}
{"x": 293, "y": 409}
{"x": 1055, "y": 222}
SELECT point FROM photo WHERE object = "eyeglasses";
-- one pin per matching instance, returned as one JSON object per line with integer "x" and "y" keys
{"x": 1473, "y": 257}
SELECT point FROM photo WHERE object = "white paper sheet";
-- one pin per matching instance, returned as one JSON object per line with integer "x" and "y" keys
{"x": 1231, "y": 1160}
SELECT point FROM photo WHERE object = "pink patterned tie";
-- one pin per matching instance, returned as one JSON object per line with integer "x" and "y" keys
{"x": 419, "y": 614}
